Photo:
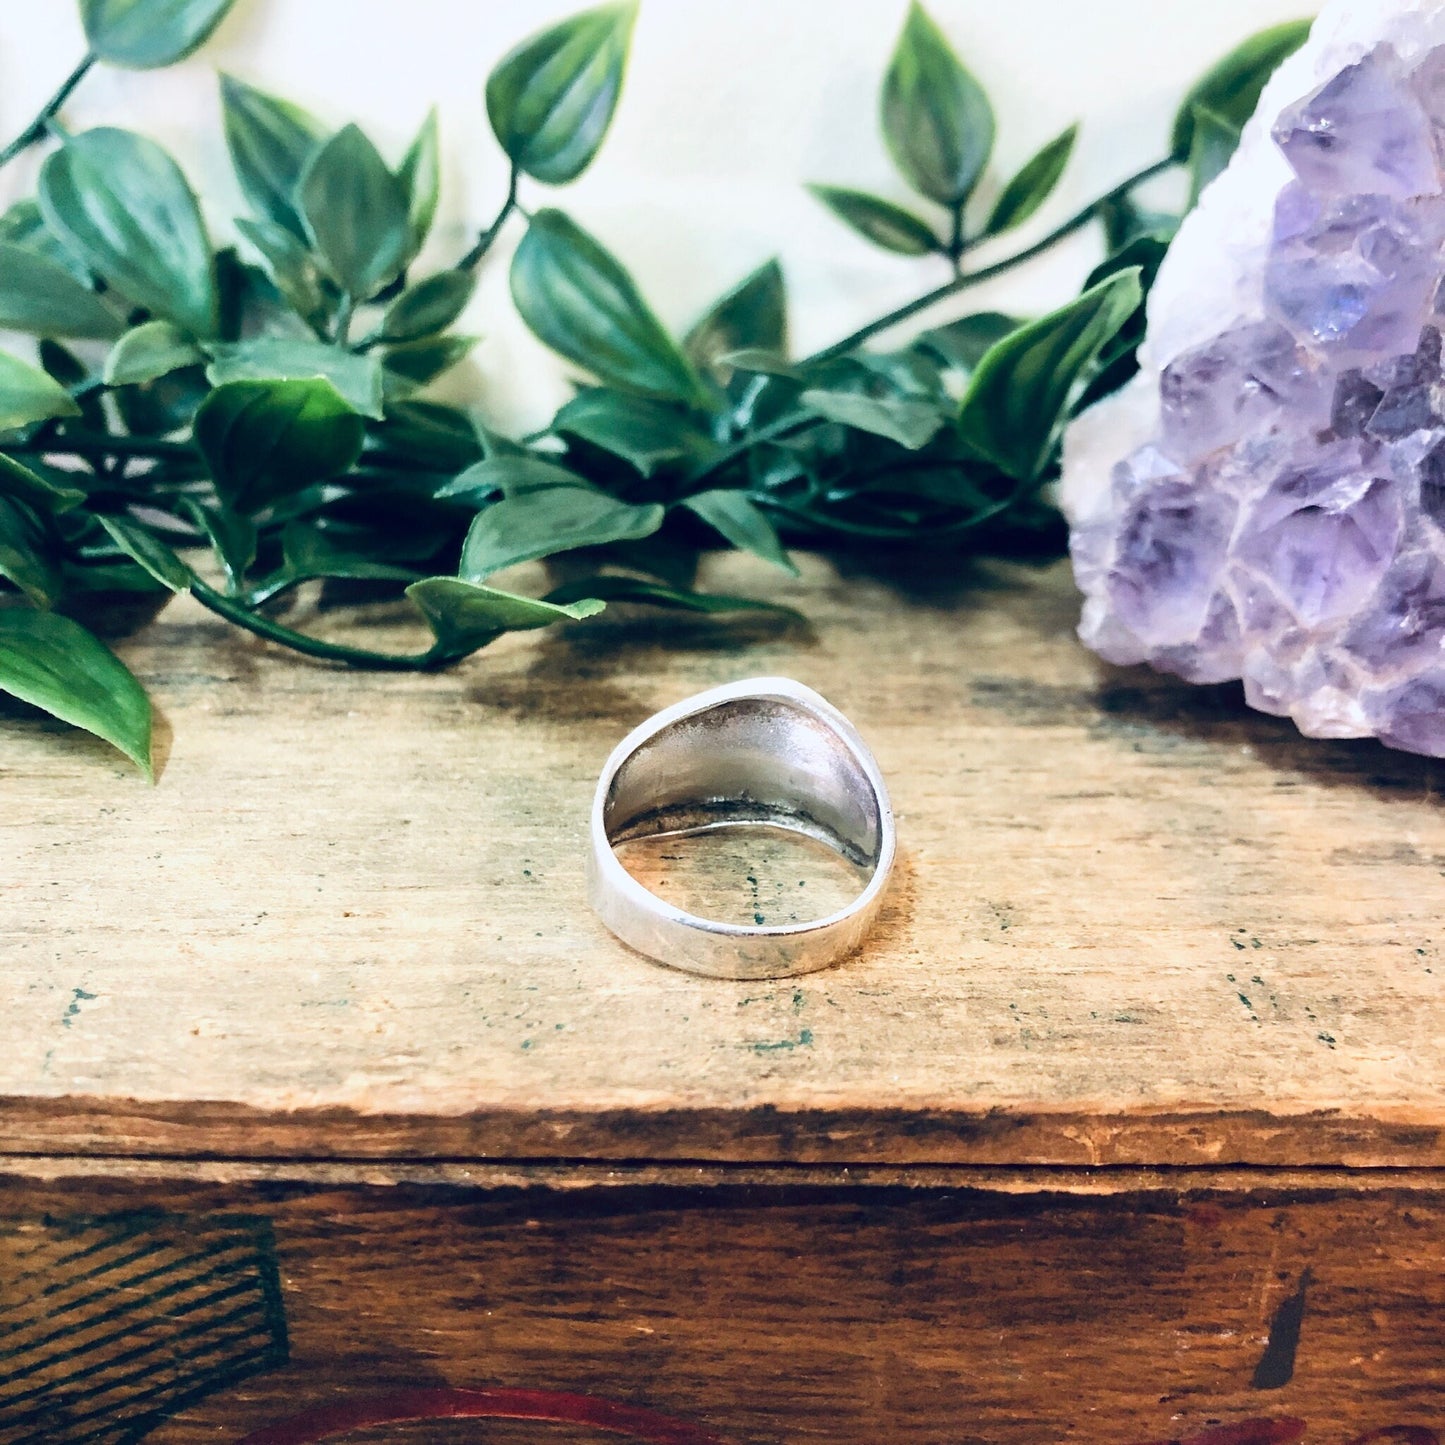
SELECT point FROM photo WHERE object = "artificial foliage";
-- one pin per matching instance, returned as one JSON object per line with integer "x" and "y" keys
{"x": 235, "y": 417}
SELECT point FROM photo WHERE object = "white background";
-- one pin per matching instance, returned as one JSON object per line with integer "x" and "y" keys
{"x": 729, "y": 106}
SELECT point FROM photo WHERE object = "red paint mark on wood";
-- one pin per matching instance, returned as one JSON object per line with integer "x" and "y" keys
{"x": 406, "y": 1406}
{"x": 1246, "y": 1432}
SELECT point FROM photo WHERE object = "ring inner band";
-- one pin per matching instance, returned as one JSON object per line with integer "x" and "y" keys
{"x": 747, "y": 761}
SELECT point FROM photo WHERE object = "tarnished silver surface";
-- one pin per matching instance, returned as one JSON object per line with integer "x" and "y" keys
{"x": 767, "y": 750}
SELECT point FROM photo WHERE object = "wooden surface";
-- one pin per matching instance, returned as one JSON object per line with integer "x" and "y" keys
{"x": 1134, "y": 923}
{"x": 756, "y": 1316}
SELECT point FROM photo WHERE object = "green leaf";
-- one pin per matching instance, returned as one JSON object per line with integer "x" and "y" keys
{"x": 529, "y": 525}
{"x": 415, "y": 363}
{"x": 1117, "y": 361}
{"x": 578, "y": 299}
{"x": 147, "y": 550}
{"x": 294, "y": 270}
{"x": 55, "y": 664}
{"x": 1019, "y": 395}
{"x": 1033, "y": 185}
{"x": 356, "y": 213}
{"x": 232, "y": 538}
{"x": 656, "y": 594}
{"x": 427, "y": 434}
{"x": 155, "y": 349}
{"x": 63, "y": 365}
{"x": 25, "y": 558}
{"x": 879, "y": 221}
{"x": 764, "y": 363}
{"x": 551, "y": 99}
{"x": 753, "y": 316}
{"x": 263, "y": 440}
{"x": 496, "y": 444}
{"x": 270, "y": 141}
{"x": 356, "y": 378}
{"x": 39, "y": 295}
{"x": 464, "y": 616}
{"x": 23, "y": 225}
{"x": 1124, "y": 221}
{"x": 508, "y": 476}
{"x": 1213, "y": 140}
{"x": 27, "y": 394}
{"x": 35, "y": 490}
{"x": 1230, "y": 89}
{"x": 121, "y": 203}
{"x": 309, "y": 553}
{"x": 909, "y": 373}
{"x": 910, "y": 423}
{"x": 742, "y": 522}
{"x": 163, "y": 406}
{"x": 66, "y": 369}
{"x": 146, "y": 34}
{"x": 428, "y": 306}
{"x": 643, "y": 432}
{"x": 963, "y": 343}
{"x": 246, "y": 297}
{"x": 937, "y": 121}
{"x": 105, "y": 579}
{"x": 420, "y": 176}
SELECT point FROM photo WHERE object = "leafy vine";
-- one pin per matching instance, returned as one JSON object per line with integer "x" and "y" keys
{"x": 235, "y": 419}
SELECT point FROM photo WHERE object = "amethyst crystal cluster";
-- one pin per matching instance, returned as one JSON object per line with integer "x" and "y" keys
{"x": 1285, "y": 521}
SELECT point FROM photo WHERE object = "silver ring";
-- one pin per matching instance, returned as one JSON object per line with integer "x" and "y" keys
{"x": 768, "y": 750}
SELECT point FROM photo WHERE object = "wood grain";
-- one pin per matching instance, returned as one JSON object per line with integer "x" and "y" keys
{"x": 832, "y": 1315}
{"x": 1136, "y": 924}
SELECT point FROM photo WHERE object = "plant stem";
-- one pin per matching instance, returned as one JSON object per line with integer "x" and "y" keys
{"x": 779, "y": 427}
{"x": 38, "y": 128}
{"x": 344, "y": 313}
{"x": 91, "y": 444}
{"x": 956, "y": 243}
{"x": 233, "y": 611}
{"x": 975, "y": 278}
{"x": 473, "y": 257}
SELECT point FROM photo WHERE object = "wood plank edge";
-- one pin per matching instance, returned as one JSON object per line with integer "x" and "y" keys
{"x": 105, "y": 1172}
{"x": 220, "y": 1131}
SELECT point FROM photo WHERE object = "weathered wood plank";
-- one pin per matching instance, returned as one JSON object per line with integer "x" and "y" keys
{"x": 1135, "y": 923}
{"x": 754, "y": 1316}
{"x": 71, "y": 1171}
{"x": 1095, "y": 1136}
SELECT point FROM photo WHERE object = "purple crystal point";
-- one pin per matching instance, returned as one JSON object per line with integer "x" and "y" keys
{"x": 1286, "y": 523}
{"x": 1353, "y": 403}
{"x": 1353, "y": 274}
{"x": 1412, "y": 397}
{"x": 1432, "y": 483}
{"x": 1243, "y": 379}
{"x": 1166, "y": 568}
{"x": 1364, "y": 131}
{"x": 1412, "y": 716}
{"x": 1405, "y": 629}
{"x": 1323, "y": 537}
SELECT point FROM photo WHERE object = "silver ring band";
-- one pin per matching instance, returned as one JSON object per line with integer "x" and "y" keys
{"x": 768, "y": 750}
